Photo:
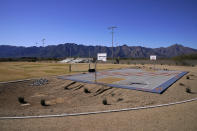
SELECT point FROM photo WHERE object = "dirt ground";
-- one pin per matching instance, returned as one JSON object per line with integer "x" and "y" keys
{"x": 81, "y": 97}
{"x": 181, "y": 117}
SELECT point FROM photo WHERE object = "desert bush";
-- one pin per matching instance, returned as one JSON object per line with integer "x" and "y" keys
{"x": 186, "y": 57}
{"x": 86, "y": 90}
{"x": 188, "y": 90}
{"x": 91, "y": 70}
{"x": 105, "y": 102}
{"x": 120, "y": 99}
{"x": 184, "y": 63}
{"x": 22, "y": 100}
{"x": 43, "y": 103}
{"x": 181, "y": 84}
{"x": 187, "y": 77}
{"x": 112, "y": 94}
{"x": 66, "y": 88}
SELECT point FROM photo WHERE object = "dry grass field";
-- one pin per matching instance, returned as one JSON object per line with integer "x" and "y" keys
{"x": 64, "y": 96}
{"x": 24, "y": 70}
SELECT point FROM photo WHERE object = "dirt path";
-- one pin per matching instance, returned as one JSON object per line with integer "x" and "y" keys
{"x": 180, "y": 117}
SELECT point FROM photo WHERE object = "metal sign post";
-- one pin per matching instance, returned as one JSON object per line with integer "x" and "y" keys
{"x": 154, "y": 58}
{"x": 100, "y": 57}
{"x": 95, "y": 72}
{"x": 70, "y": 68}
{"x": 89, "y": 58}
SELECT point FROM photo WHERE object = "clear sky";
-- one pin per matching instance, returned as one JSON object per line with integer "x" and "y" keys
{"x": 149, "y": 23}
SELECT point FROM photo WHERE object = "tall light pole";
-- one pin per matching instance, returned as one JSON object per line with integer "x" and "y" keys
{"x": 112, "y": 29}
{"x": 89, "y": 57}
{"x": 70, "y": 51}
{"x": 43, "y": 41}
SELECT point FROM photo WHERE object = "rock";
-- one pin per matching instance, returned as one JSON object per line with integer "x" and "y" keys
{"x": 40, "y": 82}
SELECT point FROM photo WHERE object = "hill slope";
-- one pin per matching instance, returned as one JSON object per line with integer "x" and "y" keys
{"x": 74, "y": 50}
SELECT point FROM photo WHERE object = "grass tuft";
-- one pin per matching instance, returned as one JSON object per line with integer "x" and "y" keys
{"x": 43, "y": 103}
{"x": 22, "y": 100}
{"x": 113, "y": 94}
{"x": 86, "y": 90}
{"x": 181, "y": 84}
{"x": 120, "y": 99}
{"x": 188, "y": 90}
{"x": 105, "y": 102}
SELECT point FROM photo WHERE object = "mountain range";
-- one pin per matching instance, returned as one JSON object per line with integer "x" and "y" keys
{"x": 74, "y": 50}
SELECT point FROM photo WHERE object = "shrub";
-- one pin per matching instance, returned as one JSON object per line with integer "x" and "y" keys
{"x": 91, "y": 70}
{"x": 181, "y": 84}
{"x": 105, "y": 102}
{"x": 120, "y": 99}
{"x": 183, "y": 63}
{"x": 117, "y": 61}
{"x": 112, "y": 94}
{"x": 188, "y": 90}
{"x": 22, "y": 100}
{"x": 86, "y": 90}
{"x": 66, "y": 88}
{"x": 187, "y": 77}
{"x": 43, "y": 103}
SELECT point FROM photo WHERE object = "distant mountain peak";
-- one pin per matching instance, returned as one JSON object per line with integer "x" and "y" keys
{"x": 176, "y": 45}
{"x": 74, "y": 50}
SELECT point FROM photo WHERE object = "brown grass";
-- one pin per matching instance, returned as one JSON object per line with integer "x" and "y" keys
{"x": 74, "y": 101}
{"x": 24, "y": 70}
{"x": 109, "y": 80}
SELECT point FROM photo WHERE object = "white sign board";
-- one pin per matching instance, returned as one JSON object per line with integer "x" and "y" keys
{"x": 153, "y": 57}
{"x": 102, "y": 56}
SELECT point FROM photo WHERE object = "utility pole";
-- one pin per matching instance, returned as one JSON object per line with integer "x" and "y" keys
{"x": 70, "y": 51}
{"x": 43, "y": 41}
{"x": 89, "y": 58}
{"x": 112, "y": 29}
{"x": 95, "y": 75}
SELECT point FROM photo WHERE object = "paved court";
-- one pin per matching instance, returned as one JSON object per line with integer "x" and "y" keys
{"x": 144, "y": 80}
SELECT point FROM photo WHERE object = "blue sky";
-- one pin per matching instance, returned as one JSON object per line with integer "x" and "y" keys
{"x": 149, "y": 23}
